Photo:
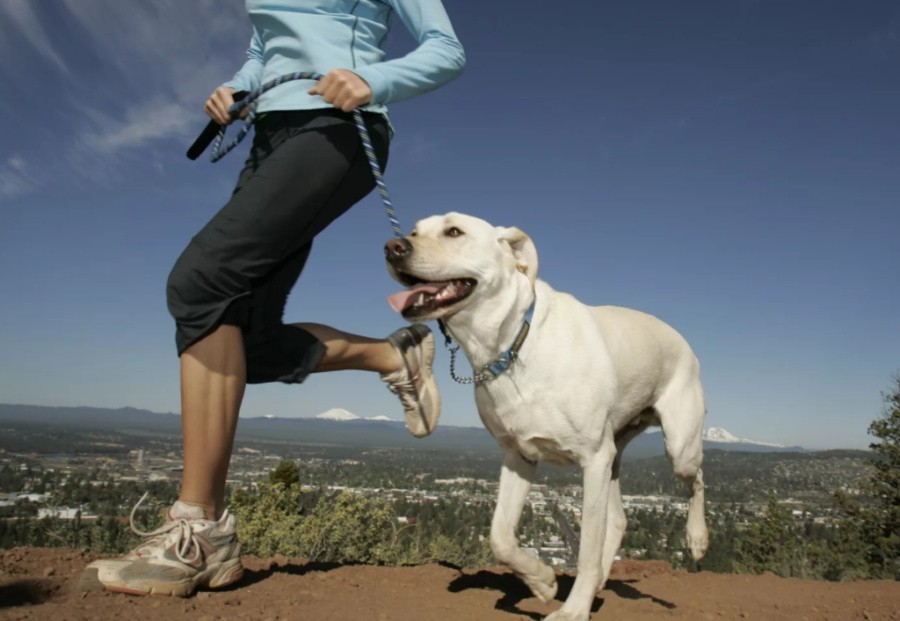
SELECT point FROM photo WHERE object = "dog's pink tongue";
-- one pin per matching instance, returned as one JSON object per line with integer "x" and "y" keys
{"x": 401, "y": 300}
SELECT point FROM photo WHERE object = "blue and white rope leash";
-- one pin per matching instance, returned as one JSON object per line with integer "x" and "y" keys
{"x": 505, "y": 360}
{"x": 249, "y": 102}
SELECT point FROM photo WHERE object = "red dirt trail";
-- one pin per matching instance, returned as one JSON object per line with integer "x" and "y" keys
{"x": 40, "y": 584}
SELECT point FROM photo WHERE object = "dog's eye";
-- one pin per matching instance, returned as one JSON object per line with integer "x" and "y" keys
{"x": 414, "y": 233}
{"x": 453, "y": 232}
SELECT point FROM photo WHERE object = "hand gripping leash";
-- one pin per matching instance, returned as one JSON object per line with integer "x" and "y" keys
{"x": 249, "y": 101}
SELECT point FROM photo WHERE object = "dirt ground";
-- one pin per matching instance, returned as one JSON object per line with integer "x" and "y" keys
{"x": 40, "y": 583}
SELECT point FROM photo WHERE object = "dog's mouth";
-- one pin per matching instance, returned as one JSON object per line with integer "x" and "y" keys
{"x": 422, "y": 298}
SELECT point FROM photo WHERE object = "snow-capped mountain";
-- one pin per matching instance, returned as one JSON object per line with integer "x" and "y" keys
{"x": 340, "y": 414}
{"x": 718, "y": 434}
{"x": 337, "y": 414}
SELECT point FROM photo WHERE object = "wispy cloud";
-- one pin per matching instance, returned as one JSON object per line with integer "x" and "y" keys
{"x": 414, "y": 150}
{"x": 169, "y": 56}
{"x": 15, "y": 179}
{"x": 19, "y": 18}
{"x": 885, "y": 42}
{"x": 182, "y": 49}
{"x": 144, "y": 122}
{"x": 134, "y": 76}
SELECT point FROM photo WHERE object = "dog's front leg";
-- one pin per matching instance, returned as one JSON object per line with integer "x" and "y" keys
{"x": 515, "y": 482}
{"x": 597, "y": 475}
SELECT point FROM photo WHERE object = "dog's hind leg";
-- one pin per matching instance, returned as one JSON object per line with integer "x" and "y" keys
{"x": 515, "y": 482}
{"x": 616, "y": 520}
{"x": 681, "y": 412}
{"x": 615, "y": 527}
{"x": 697, "y": 532}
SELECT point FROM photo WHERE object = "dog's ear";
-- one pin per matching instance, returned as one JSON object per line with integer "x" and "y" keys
{"x": 523, "y": 250}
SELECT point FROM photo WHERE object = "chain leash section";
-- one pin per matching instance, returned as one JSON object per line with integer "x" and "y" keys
{"x": 478, "y": 378}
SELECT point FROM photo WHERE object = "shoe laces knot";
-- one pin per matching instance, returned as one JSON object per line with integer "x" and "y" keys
{"x": 407, "y": 391}
{"x": 179, "y": 531}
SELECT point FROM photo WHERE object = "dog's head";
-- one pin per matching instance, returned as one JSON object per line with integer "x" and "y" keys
{"x": 450, "y": 261}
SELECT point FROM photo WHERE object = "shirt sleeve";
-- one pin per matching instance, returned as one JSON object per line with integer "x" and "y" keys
{"x": 249, "y": 76}
{"x": 438, "y": 58}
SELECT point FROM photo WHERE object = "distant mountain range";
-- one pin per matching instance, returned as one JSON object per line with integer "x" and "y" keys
{"x": 718, "y": 435}
{"x": 335, "y": 427}
{"x": 341, "y": 414}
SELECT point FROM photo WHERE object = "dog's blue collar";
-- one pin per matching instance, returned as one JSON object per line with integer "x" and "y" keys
{"x": 503, "y": 361}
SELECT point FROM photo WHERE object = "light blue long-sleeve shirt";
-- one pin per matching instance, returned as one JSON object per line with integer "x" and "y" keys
{"x": 321, "y": 35}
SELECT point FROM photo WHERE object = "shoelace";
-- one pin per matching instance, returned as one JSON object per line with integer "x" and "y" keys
{"x": 407, "y": 392}
{"x": 186, "y": 539}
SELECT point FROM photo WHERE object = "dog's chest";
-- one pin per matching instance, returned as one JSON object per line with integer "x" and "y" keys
{"x": 529, "y": 428}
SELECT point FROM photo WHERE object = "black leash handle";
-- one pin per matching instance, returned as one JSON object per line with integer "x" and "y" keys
{"x": 209, "y": 133}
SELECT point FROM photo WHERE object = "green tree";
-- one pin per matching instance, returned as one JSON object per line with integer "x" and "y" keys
{"x": 723, "y": 539}
{"x": 774, "y": 544}
{"x": 876, "y": 524}
{"x": 268, "y": 522}
{"x": 287, "y": 473}
{"x": 884, "y": 485}
{"x": 840, "y": 556}
{"x": 349, "y": 528}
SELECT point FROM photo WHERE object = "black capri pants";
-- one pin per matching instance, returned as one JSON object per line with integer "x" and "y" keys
{"x": 305, "y": 169}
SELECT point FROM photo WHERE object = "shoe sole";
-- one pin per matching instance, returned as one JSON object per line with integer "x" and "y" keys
{"x": 215, "y": 577}
{"x": 421, "y": 336}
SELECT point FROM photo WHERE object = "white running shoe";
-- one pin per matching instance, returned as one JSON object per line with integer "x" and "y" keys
{"x": 414, "y": 382}
{"x": 186, "y": 553}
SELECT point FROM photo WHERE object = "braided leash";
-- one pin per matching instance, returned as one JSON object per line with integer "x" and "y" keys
{"x": 250, "y": 102}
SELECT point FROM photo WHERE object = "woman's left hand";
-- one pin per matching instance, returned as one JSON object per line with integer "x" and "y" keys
{"x": 343, "y": 89}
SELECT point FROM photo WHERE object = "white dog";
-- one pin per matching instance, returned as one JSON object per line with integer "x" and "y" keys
{"x": 557, "y": 382}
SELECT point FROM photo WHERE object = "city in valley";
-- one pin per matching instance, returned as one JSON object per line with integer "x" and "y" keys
{"x": 56, "y": 471}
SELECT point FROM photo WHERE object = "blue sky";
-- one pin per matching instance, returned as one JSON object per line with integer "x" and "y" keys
{"x": 729, "y": 166}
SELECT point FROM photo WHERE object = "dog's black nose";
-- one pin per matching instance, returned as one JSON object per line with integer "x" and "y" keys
{"x": 397, "y": 248}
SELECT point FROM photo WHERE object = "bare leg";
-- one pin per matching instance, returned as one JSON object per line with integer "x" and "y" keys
{"x": 345, "y": 351}
{"x": 213, "y": 378}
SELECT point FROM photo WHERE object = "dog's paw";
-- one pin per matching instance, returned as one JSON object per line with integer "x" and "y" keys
{"x": 698, "y": 548}
{"x": 542, "y": 585}
{"x": 565, "y": 615}
{"x": 698, "y": 540}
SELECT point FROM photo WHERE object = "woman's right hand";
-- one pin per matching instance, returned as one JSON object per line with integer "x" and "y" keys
{"x": 219, "y": 103}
